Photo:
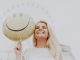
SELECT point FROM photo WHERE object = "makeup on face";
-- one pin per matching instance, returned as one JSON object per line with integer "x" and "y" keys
{"x": 41, "y": 30}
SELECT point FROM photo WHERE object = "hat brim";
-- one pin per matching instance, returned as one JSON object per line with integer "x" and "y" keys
{"x": 20, "y": 34}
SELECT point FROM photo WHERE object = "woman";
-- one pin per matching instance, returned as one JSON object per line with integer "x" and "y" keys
{"x": 44, "y": 38}
{"x": 45, "y": 45}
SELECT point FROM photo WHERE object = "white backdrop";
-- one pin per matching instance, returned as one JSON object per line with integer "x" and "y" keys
{"x": 62, "y": 15}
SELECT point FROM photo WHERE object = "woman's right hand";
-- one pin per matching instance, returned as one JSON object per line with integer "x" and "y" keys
{"x": 18, "y": 48}
{"x": 18, "y": 51}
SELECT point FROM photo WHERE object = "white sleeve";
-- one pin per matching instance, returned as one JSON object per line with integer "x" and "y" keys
{"x": 12, "y": 56}
{"x": 66, "y": 53}
{"x": 25, "y": 54}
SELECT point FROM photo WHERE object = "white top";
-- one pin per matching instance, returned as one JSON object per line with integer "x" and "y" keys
{"x": 38, "y": 54}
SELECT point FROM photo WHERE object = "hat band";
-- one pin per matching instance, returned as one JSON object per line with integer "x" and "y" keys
{"x": 19, "y": 29}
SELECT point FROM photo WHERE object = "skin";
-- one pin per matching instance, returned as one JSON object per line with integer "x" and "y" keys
{"x": 18, "y": 48}
{"x": 41, "y": 34}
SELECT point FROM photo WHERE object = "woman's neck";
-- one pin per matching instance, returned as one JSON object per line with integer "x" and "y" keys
{"x": 41, "y": 43}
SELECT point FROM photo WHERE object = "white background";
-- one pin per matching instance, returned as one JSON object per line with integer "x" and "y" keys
{"x": 64, "y": 19}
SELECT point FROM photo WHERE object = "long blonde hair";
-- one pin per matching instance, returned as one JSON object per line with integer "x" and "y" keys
{"x": 52, "y": 44}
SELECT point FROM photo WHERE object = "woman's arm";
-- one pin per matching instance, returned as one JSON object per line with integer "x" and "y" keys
{"x": 18, "y": 51}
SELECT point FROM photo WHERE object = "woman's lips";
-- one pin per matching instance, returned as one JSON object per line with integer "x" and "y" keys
{"x": 40, "y": 33}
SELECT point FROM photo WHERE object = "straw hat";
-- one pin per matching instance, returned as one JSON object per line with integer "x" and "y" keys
{"x": 18, "y": 27}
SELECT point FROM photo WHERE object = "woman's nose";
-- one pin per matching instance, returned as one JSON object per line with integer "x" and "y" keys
{"x": 40, "y": 28}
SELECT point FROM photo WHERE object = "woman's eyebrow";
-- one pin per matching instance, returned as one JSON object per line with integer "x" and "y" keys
{"x": 36, "y": 26}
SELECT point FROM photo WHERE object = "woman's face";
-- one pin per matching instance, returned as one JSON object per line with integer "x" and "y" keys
{"x": 41, "y": 31}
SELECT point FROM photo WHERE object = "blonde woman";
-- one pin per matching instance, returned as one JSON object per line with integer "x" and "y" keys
{"x": 44, "y": 38}
{"x": 46, "y": 46}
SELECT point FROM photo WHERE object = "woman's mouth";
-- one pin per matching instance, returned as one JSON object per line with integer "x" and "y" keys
{"x": 40, "y": 32}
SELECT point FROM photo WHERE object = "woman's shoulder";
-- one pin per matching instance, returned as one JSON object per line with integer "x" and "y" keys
{"x": 65, "y": 48}
{"x": 66, "y": 52}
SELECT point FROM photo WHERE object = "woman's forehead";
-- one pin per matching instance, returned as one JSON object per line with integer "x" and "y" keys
{"x": 41, "y": 24}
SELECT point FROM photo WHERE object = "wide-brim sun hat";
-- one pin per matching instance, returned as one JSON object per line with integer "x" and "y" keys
{"x": 18, "y": 27}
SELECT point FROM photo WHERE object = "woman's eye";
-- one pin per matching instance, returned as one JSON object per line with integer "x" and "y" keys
{"x": 44, "y": 27}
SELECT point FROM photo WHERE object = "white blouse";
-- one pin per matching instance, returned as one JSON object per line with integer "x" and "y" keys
{"x": 38, "y": 54}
